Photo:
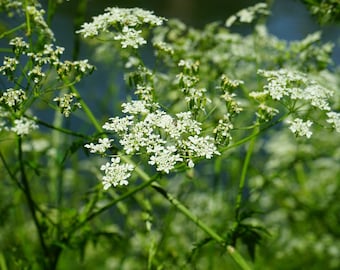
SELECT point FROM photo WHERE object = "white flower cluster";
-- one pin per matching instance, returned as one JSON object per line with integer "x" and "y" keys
{"x": 19, "y": 45}
{"x": 265, "y": 112}
{"x": 36, "y": 74}
{"x": 297, "y": 87}
{"x": 66, "y": 105}
{"x": 23, "y": 126}
{"x": 42, "y": 62}
{"x": 9, "y": 66}
{"x": 10, "y": 4}
{"x": 248, "y": 15}
{"x": 10, "y": 103}
{"x": 300, "y": 128}
{"x": 195, "y": 96}
{"x": 166, "y": 140}
{"x": 49, "y": 56}
{"x": 13, "y": 97}
{"x": 126, "y": 21}
{"x": 116, "y": 173}
{"x": 223, "y": 129}
{"x": 101, "y": 147}
{"x": 334, "y": 119}
{"x": 161, "y": 46}
{"x": 38, "y": 18}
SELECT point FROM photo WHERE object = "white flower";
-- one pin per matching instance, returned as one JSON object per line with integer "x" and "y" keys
{"x": 38, "y": 17}
{"x": 23, "y": 126}
{"x": 164, "y": 139}
{"x": 130, "y": 38}
{"x": 223, "y": 129}
{"x": 118, "y": 125}
{"x": 65, "y": 103}
{"x": 36, "y": 74}
{"x": 101, "y": 147}
{"x": 248, "y": 15}
{"x": 144, "y": 92}
{"x": 334, "y": 119}
{"x": 266, "y": 113}
{"x": 116, "y": 173}
{"x": 297, "y": 86}
{"x": 128, "y": 20}
{"x": 185, "y": 123}
{"x": 200, "y": 147}
{"x": 19, "y": 45}
{"x": 165, "y": 159}
{"x": 13, "y": 97}
{"x": 135, "y": 107}
{"x": 190, "y": 163}
{"x": 9, "y": 65}
{"x": 301, "y": 128}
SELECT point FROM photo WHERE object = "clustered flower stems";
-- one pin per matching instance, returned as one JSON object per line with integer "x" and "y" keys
{"x": 150, "y": 181}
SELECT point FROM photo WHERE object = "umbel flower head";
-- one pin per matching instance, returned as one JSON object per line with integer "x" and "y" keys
{"x": 125, "y": 22}
{"x": 164, "y": 139}
{"x": 298, "y": 93}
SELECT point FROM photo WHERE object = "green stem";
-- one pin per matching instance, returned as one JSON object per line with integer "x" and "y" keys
{"x": 3, "y": 265}
{"x": 21, "y": 187}
{"x": 56, "y": 169}
{"x": 244, "y": 172}
{"x": 109, "y": 205}
{"x": 236, "y": 256}
{"x": 52, "y": 4}
{"x": 28, "y": 21}
{"x": 12, "y": 30}
{"x": 31, "y": 203}
{"x": 256, "y": 132}
{"x": 62, "y": 130}
{"x": 77, "y": 22}
{"x": 87, "y": 110}
{"x": 11, "y": 175}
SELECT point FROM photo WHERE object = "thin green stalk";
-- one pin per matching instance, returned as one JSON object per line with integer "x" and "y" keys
{"x": 77, "y": 22}
{"x": 11, "y": 175}
{"x": 244, "y": 172}
{"x": 21, "y": 187}
{"x": 109, "y": 205}
{"x": 87, "y": 110}
{"x": 28, "y": 21}
{"x": 236, "y": 256}
{"x": 31, "y": 203}
{"x": 62, "y": 130}
{"x": 3, "y": 265}
{"x": 56, "y": 170}
{"x": 12, "y": 30}
{"x": 52, "y": 5}
{"x": 258, "y": 130}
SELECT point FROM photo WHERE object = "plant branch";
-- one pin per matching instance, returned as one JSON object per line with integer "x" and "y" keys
{"x": 236, "y": 256}
{"x": 109, "y": 205}
{"x": 244, "y": 172}
{"x": 31, "y": 203}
